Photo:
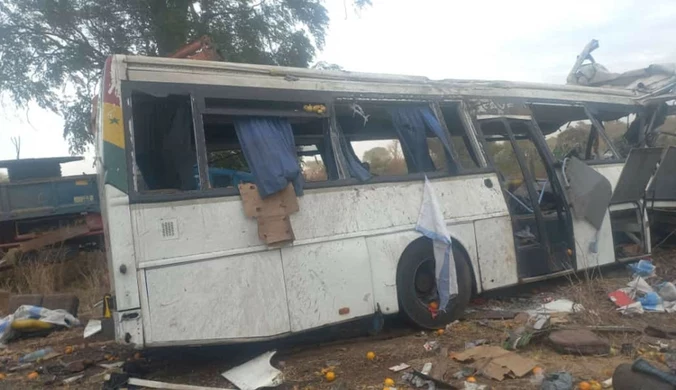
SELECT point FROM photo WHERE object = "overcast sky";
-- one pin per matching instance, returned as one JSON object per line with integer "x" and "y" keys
{"x": 480, "y": 39}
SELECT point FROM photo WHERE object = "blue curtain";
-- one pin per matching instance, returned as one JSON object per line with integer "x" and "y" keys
{"x": 346, "y": 159}
{"x": 411, "y": 124}
{"x": 270, "y": 151}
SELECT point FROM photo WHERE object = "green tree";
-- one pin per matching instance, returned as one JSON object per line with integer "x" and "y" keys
{"x": 52, "y": 51}
{"x": 378, "y": 158}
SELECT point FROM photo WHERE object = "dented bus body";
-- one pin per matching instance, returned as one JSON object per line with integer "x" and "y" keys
{"x": 523, "y": 199}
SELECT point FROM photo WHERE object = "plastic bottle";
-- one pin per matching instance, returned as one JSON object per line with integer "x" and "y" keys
{"x": 33, "y": 356}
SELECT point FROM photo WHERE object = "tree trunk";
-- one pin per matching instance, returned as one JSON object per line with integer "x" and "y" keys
{"x": 170, "y": 25}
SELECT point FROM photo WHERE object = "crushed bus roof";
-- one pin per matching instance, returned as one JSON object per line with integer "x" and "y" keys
{"x": 345, "y": 83}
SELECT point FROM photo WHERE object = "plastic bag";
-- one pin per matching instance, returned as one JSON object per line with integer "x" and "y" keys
{"x": 667, "y": 291}
{"x": 27, "y": 312}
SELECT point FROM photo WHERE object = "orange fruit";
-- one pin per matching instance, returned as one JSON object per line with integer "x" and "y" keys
{"x": 433, "y": 305}
{"x": 584, "y": 386}
{"x": 32, "y": 375}
{"x": 440, "y": 332}
{"x": 69, "y": 349}
{"x": 330, "y": 376}
{"x": 537, "y": 370}
{"x": 471, "y": 379}
{"x": 389, "y": 382}
{"x": 370, "y": 355}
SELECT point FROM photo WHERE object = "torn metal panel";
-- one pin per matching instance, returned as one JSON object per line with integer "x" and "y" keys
{"x": 255, "y": 373}
{"x": 663, "y": 185}
{"x": 637, "y": 171}
{"x": 589, "y": 191}
{"x": 654, "y": 79}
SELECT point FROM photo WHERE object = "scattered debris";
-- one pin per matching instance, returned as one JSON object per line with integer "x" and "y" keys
{"x": 38, "y": 316}
{"x": 72, "y": 379}
{"x": 652, "y": 302}
{"x": 111, "y": 366}
{"x": 620, "y": 298}
{"x": 78, "y": 365}
{"x": 159, "y": 385}
{"x": 422, "y": 378}
{"x": 93, "y": 327}
{"x": 557, "y": 381}
{"x": 255, "y": 373}
{"x": 632, "y": 308}
{"x": 495, "y": 362}
{"x": 475, "y": 343}
{"x": 491, "y": 315}
{"x": 20, "y": 367}
{"x": 399, "y": 367}
{"x": 581, "y": 341}
{"x": 560, "y": 306}
{"x": 464, "y": 373}
{"x": 644, "y": 268}
{"x": 474, "y": 386}
{"x": 431, "y": 346}
{"x": 518, "y": 338}
{"x": 541, "y": 321}
{"x": 33, "y": 356}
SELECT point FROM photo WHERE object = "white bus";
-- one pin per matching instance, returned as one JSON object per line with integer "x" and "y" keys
{"x": 188, "y": 266}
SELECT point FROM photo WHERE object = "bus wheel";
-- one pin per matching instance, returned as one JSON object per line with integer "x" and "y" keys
{"x": 416, "y": 286}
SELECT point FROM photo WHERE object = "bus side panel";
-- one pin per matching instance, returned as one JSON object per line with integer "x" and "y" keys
{"x": 385, "y": 252}
{"x": 220, "y": 299}
{"x": 120, "y": 247}
{"x": 217, "y": 226}
{"x": 327, "y": 282}
{"x": 497, "y": 257}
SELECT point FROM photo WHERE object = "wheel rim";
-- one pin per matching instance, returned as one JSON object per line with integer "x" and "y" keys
{"x": 424, "y": 283}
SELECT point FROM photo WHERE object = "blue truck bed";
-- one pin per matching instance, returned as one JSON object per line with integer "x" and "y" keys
{"x": 48, "y": 197}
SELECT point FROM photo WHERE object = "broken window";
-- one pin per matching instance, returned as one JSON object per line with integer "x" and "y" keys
{"x": 164, "y": 143}
{"x": 381, "y": 157}
{"x": 465, "y": 153}
{"x": 228, "y": 165}
{"x": 396, "y": 138}
{"x": 572, "y": 131}
{"x": 616, "y": 129}
{"x": 511, "y": 173}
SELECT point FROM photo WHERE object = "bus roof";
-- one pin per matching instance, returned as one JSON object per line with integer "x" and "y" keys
{"x": 345, "y": 83}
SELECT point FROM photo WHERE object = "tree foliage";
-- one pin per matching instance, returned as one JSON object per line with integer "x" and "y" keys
{"x": 52, "y": 51}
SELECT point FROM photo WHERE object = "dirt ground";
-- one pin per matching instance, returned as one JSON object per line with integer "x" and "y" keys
{"x": 344, "y": 348}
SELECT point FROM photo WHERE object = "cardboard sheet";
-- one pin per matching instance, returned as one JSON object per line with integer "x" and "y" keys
{"x": 495, "y": 362}
{"x": 272, "y": 213}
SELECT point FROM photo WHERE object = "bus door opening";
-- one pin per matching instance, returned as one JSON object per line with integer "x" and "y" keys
{"x": 540, "y": 222}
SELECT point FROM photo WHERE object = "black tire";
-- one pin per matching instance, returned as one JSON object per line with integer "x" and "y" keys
{"x": 413, "y": 307}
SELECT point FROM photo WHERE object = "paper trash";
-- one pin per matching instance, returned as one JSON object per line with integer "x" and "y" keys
{"x": 495, "y": 362}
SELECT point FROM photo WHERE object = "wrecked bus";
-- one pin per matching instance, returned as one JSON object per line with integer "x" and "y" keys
{"x": 531, "y": 183}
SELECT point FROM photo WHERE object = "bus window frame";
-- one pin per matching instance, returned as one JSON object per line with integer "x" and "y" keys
{"x": 618, "y": 158}
{"x": 198, "y": 94}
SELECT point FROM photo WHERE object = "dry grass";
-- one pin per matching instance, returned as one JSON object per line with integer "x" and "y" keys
{"x": 55, "y": 270}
